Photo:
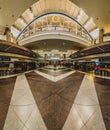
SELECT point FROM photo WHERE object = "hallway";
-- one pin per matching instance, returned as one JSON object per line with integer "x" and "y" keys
{"x": 39, "y": 101}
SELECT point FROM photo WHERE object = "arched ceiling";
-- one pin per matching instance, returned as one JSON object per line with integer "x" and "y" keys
{"x": 98, "y": 9}
{"x": 64, "y": 6}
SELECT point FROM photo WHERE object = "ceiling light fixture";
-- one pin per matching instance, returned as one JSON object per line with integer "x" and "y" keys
{"x": 97, "y": 18}
{"x": 13, "y": 15}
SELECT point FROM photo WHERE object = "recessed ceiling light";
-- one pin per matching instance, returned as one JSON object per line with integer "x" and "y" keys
{"x": 97, "y": 18}
{"x": 13, "y": 15}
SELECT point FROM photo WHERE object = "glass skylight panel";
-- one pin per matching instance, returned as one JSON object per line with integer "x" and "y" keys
{"x": 16, "y": 25}
{"x": 28, "y": 15}
{"x": 72, "y": 8}
{"x": 82, "y": 17}
{"x": 95, "y": 33}
{"x": 89, "y": 22}
{"x": 38, "y": 7}
{"x": 34, "y": 10}
{"x": 76, "y": 12}
{"x": 15, "y": 31}
{"x": 91, "y": 26}
{"x": 68, "y": 6}
{"x": 20, "y": 23}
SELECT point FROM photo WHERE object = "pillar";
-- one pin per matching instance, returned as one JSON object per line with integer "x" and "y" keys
{"x": 64, "y": 56}
{"x": 101, "y": 33}
{"x": 93, "y": 42}
{"x": 8, "y": 34}
{"x": 45, "y": 56}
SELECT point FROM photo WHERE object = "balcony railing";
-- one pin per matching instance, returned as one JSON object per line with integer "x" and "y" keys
{"x": 75, "y": 32}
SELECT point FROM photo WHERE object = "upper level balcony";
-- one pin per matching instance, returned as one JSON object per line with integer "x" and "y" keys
{"x": 55, "y": 32}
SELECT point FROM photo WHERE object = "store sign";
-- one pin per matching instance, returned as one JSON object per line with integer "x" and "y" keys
{"x": 104, "y": 59}
{"x": 2, "y": 58}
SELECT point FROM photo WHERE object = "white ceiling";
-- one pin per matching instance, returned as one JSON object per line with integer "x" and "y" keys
{"x": 10, "y": 10}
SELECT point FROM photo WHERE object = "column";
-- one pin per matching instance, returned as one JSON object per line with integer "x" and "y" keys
{"x": 8, "y": 34}
{"x": 93, "y": 42}
{"x": 64, "y": 56}
{"x": 101, "y": 33}
{"x": 45, "y": 56}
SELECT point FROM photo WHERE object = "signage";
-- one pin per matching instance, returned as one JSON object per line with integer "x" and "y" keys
{"x": 2, "y": 58}
{"x": 106, "y": 59}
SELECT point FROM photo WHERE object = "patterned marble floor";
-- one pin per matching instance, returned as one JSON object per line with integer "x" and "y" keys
{"x": 68, "y": 101}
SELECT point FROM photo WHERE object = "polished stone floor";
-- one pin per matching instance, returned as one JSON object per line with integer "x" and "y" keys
{"x": 60, "y": 99}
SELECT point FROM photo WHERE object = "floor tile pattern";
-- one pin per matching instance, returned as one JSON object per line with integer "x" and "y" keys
{"x": 85, "y": 113}
{"x": 55, "y": 78}
{"x": 103, "y": 92}
{"x": 54, "y": 99}
{"x": 23, "y": 112}
{"x": 69, "y": 100}
{"x": 6, "y": 90}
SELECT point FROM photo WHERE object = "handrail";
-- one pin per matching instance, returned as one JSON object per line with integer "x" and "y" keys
{"x": 55, "y": 28}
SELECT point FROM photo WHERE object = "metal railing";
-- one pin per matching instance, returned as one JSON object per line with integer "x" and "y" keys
{"x": 50, "y": 28}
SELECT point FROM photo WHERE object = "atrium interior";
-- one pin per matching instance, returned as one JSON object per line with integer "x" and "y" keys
{"x": 54, "y": 65}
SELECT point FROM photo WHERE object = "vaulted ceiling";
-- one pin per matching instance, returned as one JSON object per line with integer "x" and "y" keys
{"x": 98, "y": 9}
{"x": 45, "y": 6}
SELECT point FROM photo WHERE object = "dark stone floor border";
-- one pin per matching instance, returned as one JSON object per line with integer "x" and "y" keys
{"x": 54, "y": 99}
{"x": 6, "y": 90}
{"x": 103, "y": 92}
